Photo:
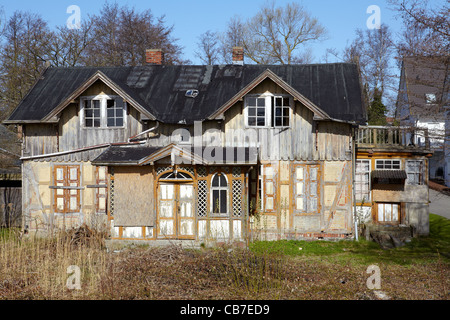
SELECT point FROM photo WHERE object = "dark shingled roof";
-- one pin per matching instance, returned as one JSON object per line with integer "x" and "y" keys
{"x": 124, "y": 154}
{"x": 334, "y": 88}
{"x": 136, "y": 154}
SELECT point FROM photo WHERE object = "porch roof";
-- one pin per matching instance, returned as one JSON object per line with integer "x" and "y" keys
{"x": 132, "y": 155}
{"x": 389, "y": 174}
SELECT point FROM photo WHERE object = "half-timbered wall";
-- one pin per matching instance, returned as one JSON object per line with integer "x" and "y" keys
{"x": 46, "y": 200}
{"x": 303, "y": 199}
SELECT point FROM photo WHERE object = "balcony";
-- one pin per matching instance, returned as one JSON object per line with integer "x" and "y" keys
{"x": 393, "y": 138}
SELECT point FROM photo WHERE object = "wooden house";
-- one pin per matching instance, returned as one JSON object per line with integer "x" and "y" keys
{"x": 391, "y": 179}
{"x": 199, "y": 153}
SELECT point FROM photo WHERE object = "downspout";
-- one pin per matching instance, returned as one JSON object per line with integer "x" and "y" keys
{"x": 353, "y": 183}
{"x": 144, "y": 132}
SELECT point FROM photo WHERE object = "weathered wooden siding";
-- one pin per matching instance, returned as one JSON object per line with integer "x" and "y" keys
{"x": 40, "y": 139}
{"x": 305, "y": 139}
{"x": 74, "y": 136}
{"x": 68, "y": 134}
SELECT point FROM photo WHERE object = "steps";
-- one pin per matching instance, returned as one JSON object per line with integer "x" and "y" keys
{"x": 389, "y": 236}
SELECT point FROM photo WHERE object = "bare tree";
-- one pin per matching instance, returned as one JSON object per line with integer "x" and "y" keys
{"x": 122, "y": 36}
{"x": 67, "y": 47}
{"x": 277, "y": 35}
{"x": 26, "y": 38}
{"x": 232, "y": 37}
{"x": 426, "y": 28}
{"x": 208, "y": 48}
{"x": 374, "y": 49}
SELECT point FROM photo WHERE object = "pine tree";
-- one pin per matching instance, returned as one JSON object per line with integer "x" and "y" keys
{"x": 377, "y": 110}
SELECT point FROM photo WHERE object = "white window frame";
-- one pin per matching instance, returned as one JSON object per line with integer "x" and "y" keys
{"x": 269, "y": 116}
{"x": 420, "y": 172}
{"x": 383, "y": 162}
{"x": 368, "y": 181}
{"x": 383, "y": 218}
{"x": 103, "y": 111}
{"x": 220, "y": 188}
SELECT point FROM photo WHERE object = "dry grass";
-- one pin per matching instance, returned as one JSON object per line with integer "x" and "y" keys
{"x": 37, "y": 269}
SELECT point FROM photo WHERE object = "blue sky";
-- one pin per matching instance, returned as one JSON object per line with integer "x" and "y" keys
{"x": 192, "y": 18}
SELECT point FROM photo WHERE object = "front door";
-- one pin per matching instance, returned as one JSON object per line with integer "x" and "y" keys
{"x": 176, "y": 211}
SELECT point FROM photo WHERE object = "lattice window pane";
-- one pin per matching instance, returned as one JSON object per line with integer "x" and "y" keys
{"x": 188, "y": 169}
{"x": 237, "y": 197}
{"x": 236, "y": 172}
{"x": 202, "y": 198}
{"x": 111, "y": 193}
{"x": 160, "y": 170}
{"x": 201, "y": 172}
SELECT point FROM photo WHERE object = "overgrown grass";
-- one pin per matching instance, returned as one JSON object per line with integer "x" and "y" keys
{"x": 37, "y": 269}
{"x": 420, "y": 250}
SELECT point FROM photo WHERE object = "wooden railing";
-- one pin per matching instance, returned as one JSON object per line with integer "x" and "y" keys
{"x": 392, "y": 137}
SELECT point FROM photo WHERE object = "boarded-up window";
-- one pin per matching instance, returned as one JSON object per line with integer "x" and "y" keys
{"x": 67, "y": 192}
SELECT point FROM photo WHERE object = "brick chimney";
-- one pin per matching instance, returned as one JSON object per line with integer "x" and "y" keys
{"x": 238, "y": 56}
{"x": 154, "y": 56}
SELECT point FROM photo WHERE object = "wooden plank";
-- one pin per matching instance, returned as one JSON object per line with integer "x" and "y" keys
{"x": 339, "y": 191}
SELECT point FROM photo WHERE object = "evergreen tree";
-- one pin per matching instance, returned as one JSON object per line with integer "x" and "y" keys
{"x": 377, "y": 110}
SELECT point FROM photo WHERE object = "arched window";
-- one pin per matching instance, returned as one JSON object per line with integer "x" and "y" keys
{"x": 219, "y": 194}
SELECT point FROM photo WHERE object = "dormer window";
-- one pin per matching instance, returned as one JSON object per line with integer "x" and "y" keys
{"x": 102, "y": 111}
{"x": 268, "y": 111}
{"x": 430, "y": 98}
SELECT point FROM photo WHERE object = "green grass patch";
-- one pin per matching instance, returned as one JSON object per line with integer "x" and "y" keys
{"x": 9, "y": 233}
{"x": 422, "y": 250}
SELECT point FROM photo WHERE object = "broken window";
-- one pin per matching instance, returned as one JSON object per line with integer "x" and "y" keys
{"x": 414, "y": 172}
{"x": 362, "y": 181}
{"x": 114, "y": 113}
{"x": 67, "y": 189}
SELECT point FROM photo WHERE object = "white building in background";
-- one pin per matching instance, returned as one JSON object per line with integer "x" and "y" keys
{"x": 421, "y": 103}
